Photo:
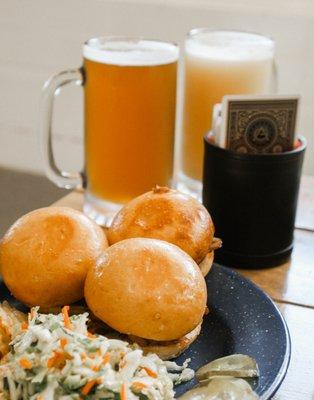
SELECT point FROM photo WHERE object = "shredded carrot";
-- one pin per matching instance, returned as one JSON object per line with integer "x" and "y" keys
{"x": 89, "y": 386}
{"x": 106, "y": 358}
{"x": 95, "y": 368}
{"x": 63, "y": 342}
{"x": 90, "y": 335}
{"x": 24, "y": 326}
{"x": 58, "y": 359}
{"x": 150, "y": 373}
{"x": 53, "y": 360}
{"x": 39, "y": 398}
{"x": 138, "y": 386}
{"x": 25, "y": 363}
{"x": 83, "y": 356}
{"x": 66, "y": 318}
{"x": 123, "y": 392}
{"x": 50, "y": 362}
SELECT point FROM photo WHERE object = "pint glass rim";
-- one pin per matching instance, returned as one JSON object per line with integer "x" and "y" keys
{"x": 130, "y": 39}
{"x": 96, "y": 48}
{"x": 193, "y": 33}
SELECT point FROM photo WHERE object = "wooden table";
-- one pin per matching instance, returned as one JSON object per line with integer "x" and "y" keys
{"x": 292, "y": 287}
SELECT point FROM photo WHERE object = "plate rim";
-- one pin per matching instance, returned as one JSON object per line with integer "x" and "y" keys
{"x": 273, "y": 388}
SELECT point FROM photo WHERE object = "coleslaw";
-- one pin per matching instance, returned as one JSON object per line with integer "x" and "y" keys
{"x": 55, "y": 357}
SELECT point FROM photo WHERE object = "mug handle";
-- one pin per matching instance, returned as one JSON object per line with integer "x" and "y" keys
{"x": 51, "y": 89}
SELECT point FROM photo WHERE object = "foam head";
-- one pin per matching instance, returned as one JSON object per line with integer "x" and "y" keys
{"x": 229, "y": 45}
{"x": 128, "y": 52}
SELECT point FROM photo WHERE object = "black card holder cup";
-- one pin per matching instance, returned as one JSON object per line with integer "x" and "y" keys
{"x": 252, "y": 199}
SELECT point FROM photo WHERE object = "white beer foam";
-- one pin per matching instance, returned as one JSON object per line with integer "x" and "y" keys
{"x": 130, "y": 53}
{"x": 229, "y": 46}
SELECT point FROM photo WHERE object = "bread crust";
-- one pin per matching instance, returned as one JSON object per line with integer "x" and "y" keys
{"x": 170, "y": 349}
{"x": 206, "y": 265}
{"x": 147, "y": 288}
{"x": 168, "y": 215}
{"x": 10, "y": 325}
{"x": 45, "y": 255}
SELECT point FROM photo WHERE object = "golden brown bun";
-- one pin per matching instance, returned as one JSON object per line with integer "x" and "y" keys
{"x": 206, "y": 264}
{"x": 147, "y": 288}
{"x": 45, "y": 255}
{"x": 10, "y": 325}
{"x": 167, "y": 215}
{"x": 170, "y": 349}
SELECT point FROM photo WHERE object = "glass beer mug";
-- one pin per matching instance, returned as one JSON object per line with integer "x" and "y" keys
{"x": 217, "y": 63}
{"x": 129, "y": 110}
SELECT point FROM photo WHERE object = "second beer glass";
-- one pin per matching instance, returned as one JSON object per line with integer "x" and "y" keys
{"x": 217, "y": 63}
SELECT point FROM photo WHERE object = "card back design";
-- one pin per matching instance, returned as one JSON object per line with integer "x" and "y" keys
{"x": 261, "y": 125}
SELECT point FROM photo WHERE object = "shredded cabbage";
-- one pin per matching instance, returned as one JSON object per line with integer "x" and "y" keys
{"x": 49, "y": 360}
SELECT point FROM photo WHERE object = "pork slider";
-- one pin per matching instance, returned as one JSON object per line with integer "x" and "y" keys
{"x": 45, "y": 255}
{"x": 172, "y": 216}
{"x": 150, "y": 290}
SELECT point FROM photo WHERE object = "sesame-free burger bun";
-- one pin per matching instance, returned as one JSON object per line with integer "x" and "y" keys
{"x": 45, "y": 255}
{"x": 169, "y": 215}
{"x": 207, "y": 263}
{"x": 147, "y": 288}
{"x": 169, "y": 349}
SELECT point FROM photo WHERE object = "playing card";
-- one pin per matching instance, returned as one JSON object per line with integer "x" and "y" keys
{"x": 258, "y": 124}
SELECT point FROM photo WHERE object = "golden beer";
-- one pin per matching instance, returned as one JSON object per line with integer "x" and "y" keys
{"x": 130, "y": 101}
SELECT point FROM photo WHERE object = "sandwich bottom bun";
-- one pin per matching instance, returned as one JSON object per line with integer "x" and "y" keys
{"x": 147, "y": 288}
{"x": 168, "y": 349}
{"x": 207, "y": 262}
{"x": 45, "y": 255}
{"x": 206, "y": 265}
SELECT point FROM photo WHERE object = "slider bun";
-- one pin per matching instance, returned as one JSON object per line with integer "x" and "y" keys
{"x": 147, "y": 288}
{"x": 168, "y": 350}
{"x": 167, "y": 215}
{"x": 45, "y": 255}
{"x": 206, "y": 265}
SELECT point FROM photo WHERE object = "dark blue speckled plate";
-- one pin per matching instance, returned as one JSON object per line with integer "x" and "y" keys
{"x": 242, "y": 319}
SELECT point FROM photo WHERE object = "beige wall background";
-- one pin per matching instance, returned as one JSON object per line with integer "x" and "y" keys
{"x": 41, "y": 37}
